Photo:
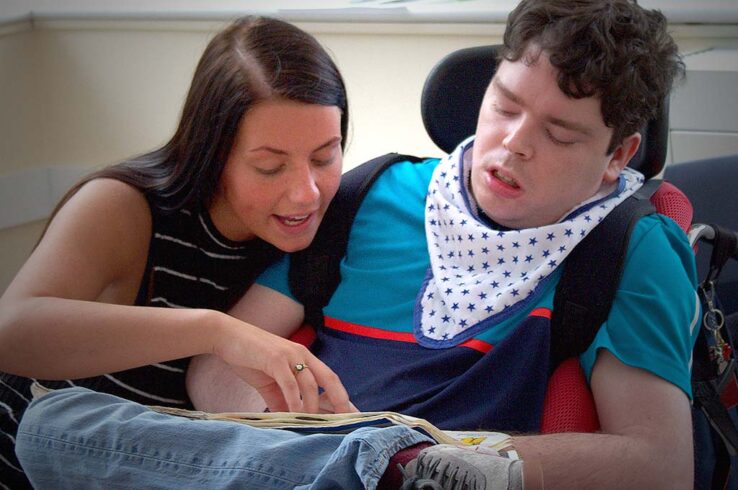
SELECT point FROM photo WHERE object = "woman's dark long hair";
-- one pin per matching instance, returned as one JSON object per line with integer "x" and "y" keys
{"x": 254, "y": 59}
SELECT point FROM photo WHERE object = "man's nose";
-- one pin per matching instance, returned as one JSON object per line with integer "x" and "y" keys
{"x": 519, "y": 138}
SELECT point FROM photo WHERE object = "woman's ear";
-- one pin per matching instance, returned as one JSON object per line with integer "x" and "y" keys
{"x": 620, "y": 157}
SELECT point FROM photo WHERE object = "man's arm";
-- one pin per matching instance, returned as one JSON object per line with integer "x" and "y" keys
{"x": 645, "y": 439}
{"x": 211, "y": 384}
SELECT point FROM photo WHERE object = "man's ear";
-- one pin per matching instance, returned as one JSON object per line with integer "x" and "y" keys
{"x": 620, "y": 157}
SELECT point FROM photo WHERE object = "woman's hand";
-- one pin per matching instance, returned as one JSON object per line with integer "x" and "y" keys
{"x": 271, "y": 363}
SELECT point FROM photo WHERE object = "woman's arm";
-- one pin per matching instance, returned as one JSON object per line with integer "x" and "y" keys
{"x": 214, "y": 386}
{"x": 211, "y": 384}
{"x": 69, "y": 314}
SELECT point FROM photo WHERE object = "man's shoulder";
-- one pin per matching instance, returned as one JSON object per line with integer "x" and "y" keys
{"x": 403, "y": 181}
{"x": 657, "y": 242}
{"x": 390, "y": 219}
{"x": 409, "y": 173}
{"x": 658, "y": 230}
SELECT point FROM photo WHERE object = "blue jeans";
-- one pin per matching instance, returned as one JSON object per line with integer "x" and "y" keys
{"x": 77, "y": 438}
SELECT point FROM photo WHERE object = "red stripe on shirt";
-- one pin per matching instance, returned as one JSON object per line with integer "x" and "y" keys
{"x": 378, "y": 333}
{"x": 374, "y": 333}
{"x": 477, "y": 345}
{"x": 541, "y": 312}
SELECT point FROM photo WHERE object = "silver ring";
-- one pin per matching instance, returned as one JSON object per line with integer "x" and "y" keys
{"x": 300, "y": 366}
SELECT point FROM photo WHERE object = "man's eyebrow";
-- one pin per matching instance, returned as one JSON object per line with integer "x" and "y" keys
{"x": 570, "y": 125}
{"x": 277, "y": 151}
{"x": 506, "y": 91}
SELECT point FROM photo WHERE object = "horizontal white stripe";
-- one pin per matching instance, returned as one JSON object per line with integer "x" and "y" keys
{"x": 12, "y": 439}
{"x": 169, "y": 368}
{"x": 222, "y": 256}
{"x": 175, "y": 273}
{"x": 191, "y": 245}
{"x": 9, "y": 411}
{"x": 143, "y": 393}
{"x": 216, "y": 286}
{"x": 15, "y": 391}
{"x": 212, "y": 237}
{"x": 189, "y": 277}
{"x": 173, "y": 239}
{"x": 3, "y": 460}
{"x": 160, "y": 299}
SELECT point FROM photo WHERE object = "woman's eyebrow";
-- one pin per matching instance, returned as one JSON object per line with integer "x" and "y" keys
{"x": 330, "y": 142}
{"x": 277, "y": 151}
{"x": 269, "y": 149}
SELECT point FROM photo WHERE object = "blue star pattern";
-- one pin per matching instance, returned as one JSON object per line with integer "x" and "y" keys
{"x": 478, "y": 273}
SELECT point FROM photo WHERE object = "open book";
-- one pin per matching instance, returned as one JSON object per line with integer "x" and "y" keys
{"x": 346, "y": 422}
{"x": 341, "y": 423}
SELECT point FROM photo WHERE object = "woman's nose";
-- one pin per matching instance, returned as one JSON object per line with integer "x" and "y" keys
{"x": 304, "y": 187}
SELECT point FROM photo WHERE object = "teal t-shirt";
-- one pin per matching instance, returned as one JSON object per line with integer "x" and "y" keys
{"x": 652, "y": 324}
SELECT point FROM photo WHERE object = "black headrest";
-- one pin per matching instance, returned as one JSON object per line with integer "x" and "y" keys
{"x": 453, "y": 93}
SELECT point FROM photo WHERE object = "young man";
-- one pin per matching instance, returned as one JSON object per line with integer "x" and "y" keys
{"x": 448, "y": 283}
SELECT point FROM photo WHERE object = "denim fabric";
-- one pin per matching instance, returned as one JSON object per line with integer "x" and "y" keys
{"x": 77, "y": 438}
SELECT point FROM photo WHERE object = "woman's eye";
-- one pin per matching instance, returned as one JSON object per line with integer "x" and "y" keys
{"x": 325, "y": 158}
{"x": 321, "y": 162}
{"x": 268, "y": 171}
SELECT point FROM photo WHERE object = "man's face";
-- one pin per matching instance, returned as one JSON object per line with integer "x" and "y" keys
{"x": 538, "y": 152}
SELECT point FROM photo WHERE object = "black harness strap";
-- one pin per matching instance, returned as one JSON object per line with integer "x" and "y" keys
{"x": 315, "y": 272}
{"x": 584, "y": 294}
{"x": 724, "y": 247}
{"x": 583, "y": 297}
{"x": 708, "y": 383}
{"x": 592, "y": 271}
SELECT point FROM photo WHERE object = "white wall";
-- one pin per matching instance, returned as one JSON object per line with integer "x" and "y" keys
{"x": 78, "y": 93}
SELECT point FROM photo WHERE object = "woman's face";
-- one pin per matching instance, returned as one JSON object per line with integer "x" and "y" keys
{"x": 282, "y": 172}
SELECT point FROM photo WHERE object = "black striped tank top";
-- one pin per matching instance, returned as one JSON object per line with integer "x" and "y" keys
{"x": 190, "y": 265}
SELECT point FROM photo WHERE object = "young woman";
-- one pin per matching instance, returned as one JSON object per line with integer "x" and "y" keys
{"x": 141, "y": 260}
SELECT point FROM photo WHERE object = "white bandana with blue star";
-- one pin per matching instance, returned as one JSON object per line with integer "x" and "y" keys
{"x": 479, "y": 276}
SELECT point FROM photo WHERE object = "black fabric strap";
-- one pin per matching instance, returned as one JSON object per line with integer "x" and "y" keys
{"x": 721, "y": 471}
{"x": 707, "y": 383}
{"x": 707, "y": 397}
{"x": 315, "y": 272}
{"x": 591, "y": 277}
{"x": 724, "y": 247}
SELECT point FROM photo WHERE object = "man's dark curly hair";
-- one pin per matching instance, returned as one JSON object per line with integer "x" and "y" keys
{"x": 611, "y": 49}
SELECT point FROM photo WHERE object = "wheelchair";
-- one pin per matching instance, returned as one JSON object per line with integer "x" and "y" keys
{"x": 698, "y": 196}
